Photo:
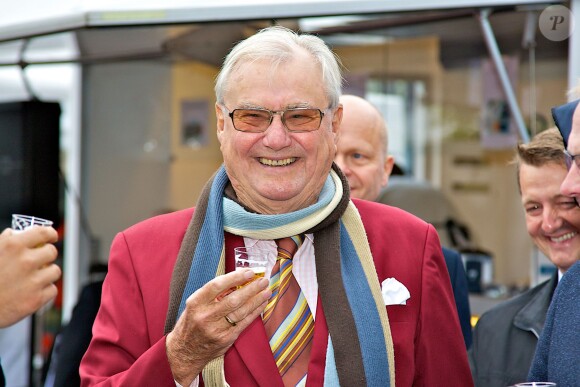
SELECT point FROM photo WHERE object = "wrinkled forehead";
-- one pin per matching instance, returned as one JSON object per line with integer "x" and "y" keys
{"x": 275, "y": 61}
{"x": 296, "y": 80}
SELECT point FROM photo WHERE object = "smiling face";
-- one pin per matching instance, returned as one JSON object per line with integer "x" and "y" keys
{"x": 552, "y": 219}
{"x": 277, "y": 171}
{"x": 361, "y": 153}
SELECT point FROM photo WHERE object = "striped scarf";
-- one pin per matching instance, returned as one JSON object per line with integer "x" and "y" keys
{"x": 360, "y": 348}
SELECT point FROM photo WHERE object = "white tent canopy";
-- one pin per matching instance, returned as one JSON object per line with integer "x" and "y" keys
{"x": 37, "y": 17}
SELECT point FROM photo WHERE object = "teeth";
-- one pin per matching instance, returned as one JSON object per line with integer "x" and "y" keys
{"x": 564, "y": 237}
{"x": 277, "y": 163}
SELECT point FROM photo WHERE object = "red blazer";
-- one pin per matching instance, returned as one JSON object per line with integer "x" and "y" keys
{"x": 128, "y": 345}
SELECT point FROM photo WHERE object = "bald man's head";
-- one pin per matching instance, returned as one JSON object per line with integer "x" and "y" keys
{"x": 362, "y": 148}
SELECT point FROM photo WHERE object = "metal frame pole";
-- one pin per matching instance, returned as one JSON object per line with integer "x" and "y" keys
{"x": 502, "y": 73}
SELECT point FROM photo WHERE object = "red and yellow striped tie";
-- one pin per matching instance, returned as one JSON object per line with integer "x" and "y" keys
{"x": 287, "y": 318}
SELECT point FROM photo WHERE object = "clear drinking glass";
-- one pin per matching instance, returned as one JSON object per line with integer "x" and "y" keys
{"x": 254, "y": 258}
{"x": 535, "y": 384}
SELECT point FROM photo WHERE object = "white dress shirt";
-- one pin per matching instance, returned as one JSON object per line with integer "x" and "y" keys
{"x": 303, "y": 267}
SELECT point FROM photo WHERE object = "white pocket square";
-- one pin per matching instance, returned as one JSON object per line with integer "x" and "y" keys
{"x": 394, "y": 292}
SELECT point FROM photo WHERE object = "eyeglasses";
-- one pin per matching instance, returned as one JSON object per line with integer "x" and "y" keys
{"x": 259, "y": 120}
{"x": 570, "y": 158}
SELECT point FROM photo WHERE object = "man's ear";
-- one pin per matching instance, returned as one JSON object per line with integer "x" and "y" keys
{"x": 336, "y": 120}
{"x": 220, "y": 120}
{"x": 387, "y": 169}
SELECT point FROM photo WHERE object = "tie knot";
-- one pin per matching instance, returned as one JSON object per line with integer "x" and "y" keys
{"x": 288, "y": 246}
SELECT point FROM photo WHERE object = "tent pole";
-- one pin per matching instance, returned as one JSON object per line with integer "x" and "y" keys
{"x": 502, "y": 73}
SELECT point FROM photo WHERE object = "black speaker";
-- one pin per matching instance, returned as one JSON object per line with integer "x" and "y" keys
{"x": 29, "y": 160}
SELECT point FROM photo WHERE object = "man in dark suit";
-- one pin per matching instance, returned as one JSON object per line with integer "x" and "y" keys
{"x": 363, "y": 157}
{"x": 73, "y": 340}
{"x": 506, "y": 336}
{"x": 174, "y": 309}
{"x": 557, "y": 357}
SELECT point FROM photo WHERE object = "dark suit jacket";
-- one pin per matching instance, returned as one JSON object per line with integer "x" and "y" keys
{"x": 73, "y": 340}
{"x": 557, "y": 357}
{"x": 459, "y": 285}
{"x": 505, "y": 337}
{"x": 128, "y": 345}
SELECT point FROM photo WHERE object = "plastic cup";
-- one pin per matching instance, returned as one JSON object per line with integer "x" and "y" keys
{"x": 21, "y": 223}
{"x": 254, "y": 258}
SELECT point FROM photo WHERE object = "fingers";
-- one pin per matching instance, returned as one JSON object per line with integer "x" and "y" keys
{"x": 220, "y": 298}
{"x": 36, "y": 236}
{"x": 244, "y": 305}
{"x": 49, "y": 274}
{"x": 202, "y": 332}
{"x": 6, "y": 232}
{"x": 44, "y": 290}
{"x": 45, "y": 254}
{"x": 49, "y": 293}
{"x": 245, "y": 320}
{"x": 222, "y": 285}
{"x": 35, "y": 244}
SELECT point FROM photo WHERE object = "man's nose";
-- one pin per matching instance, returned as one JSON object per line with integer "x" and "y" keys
{"x": 551, "y": 220}
{"x": 569, "y": 187}
{"x": 277, "y": 136}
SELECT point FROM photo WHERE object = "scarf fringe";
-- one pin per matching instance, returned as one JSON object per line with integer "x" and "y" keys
{"x": 213, "y": 373}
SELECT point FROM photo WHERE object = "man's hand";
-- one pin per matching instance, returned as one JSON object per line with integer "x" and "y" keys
{"x": 203, "y": 333}
{"x": 27, "y": 272}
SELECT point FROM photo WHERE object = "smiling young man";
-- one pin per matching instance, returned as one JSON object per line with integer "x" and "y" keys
{"x": 168, "y": 312}
{"x": 505, "y": 337}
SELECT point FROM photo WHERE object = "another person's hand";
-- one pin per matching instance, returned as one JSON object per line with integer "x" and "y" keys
{"x": 203, "y": 332}
{"x": 27, "y": 272}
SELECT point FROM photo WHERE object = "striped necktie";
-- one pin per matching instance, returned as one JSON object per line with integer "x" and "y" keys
{"x": 287, "y": 318}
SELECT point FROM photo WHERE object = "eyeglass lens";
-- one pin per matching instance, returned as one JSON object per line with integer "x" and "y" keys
{"x": 258, "y": 120}
{"x": 570, "y": 158}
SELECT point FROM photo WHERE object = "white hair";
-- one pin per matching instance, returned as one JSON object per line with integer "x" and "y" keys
{"x": 279, "y": 44}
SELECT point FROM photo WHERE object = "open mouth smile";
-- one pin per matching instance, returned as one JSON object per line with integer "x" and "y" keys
{"x": 564, "y": 237}
{"x": 276, "y": 163}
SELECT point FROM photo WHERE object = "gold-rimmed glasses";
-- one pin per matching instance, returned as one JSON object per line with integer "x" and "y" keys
{"x": 257, "y": 120}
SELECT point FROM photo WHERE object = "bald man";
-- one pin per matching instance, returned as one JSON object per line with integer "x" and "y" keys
{"x": 363, "y": 148}
{"x": 362, "y": 155}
